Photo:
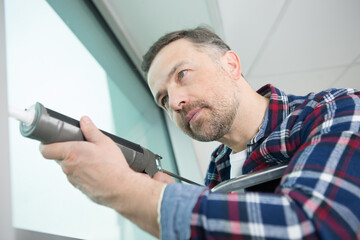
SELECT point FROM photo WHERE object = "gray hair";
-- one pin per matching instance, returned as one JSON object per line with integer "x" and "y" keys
{"x": 200, "y": 36}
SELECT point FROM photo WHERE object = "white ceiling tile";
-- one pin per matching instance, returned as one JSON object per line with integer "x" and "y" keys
{"x": 351, "y": 78}
{"x": 299, "y": 83}
{"x": 145, "y": 21}
{"x": 246, "y": 24}
{"x": 312, "y": 35}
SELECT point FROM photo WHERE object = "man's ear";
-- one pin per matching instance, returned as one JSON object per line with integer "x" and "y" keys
{"x": 232, "y": 62}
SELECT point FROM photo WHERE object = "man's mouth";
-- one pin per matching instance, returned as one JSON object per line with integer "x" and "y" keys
{"x": 192, "y": 115}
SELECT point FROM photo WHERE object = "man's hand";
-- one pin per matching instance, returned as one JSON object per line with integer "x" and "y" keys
{"x": 99, "y": 169}
{"x": 94, "y": 166}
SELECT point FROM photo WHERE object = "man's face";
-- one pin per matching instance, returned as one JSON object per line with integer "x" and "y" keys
{"x": 197, "y": 92}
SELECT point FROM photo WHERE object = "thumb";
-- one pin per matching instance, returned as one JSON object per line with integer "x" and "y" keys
{"x": 162, "y": 177}
{"x": 90, "y": 131}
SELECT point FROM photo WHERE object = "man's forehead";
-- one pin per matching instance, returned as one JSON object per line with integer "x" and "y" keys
{"x": 166, "y": 59}
{"x": 172, "y": 51}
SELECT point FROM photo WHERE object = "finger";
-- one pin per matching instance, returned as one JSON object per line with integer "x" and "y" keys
{"x": 162, "y": 177}
{"x": 56, "y": 151}
{"x": 52, "y": 151}
{"x": 90, "y": 131}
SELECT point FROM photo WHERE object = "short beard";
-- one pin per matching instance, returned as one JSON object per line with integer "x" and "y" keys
{"x": 217, "y": 124}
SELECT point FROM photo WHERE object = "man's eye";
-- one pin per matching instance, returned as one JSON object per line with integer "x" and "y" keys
{"x": 181, "y": 74}
{"x": 164, "y": 101}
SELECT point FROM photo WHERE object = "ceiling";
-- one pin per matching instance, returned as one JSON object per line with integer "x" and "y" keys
{"x": 298, "y": 46}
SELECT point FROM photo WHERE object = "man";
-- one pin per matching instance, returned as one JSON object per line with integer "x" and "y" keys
{"x": 198, "y": 80}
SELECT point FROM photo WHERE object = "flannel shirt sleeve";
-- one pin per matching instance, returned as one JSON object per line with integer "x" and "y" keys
{"x": 318, "y": 196}
{"x": 176, "y": 209}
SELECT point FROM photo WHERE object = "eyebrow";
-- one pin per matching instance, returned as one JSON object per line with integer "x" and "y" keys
{"x": 169, "y": 75}
{"x": 173, "y": 70}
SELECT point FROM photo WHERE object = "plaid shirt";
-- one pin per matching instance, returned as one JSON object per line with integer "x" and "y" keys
{"x": 319, "y": 195}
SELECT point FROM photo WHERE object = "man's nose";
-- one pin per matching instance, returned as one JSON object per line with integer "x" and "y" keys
{"x": 177, "y": 99}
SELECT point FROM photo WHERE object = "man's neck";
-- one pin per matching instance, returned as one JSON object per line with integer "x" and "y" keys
{"x": 247, "y": 123}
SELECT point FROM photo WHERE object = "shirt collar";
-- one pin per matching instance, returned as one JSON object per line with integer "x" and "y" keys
{"x": 276, "y": 112}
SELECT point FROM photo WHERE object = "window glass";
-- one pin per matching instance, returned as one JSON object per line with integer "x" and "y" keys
{"x": 75, "y": 74}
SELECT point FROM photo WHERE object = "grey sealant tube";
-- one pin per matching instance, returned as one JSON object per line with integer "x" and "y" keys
{"x": 48, "y": 126}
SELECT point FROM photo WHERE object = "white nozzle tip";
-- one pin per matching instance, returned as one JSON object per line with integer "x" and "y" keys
{"x": 27, "y": 116}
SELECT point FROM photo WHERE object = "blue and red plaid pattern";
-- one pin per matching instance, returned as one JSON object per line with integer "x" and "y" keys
{"x": 319, "y": 195}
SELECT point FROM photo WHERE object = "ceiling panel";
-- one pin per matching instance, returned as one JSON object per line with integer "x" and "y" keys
{"x": 139, "y": 23}
{"x": 312, "y": 35}
{"x": 300, "y": 83}
{"x": 146, "y": 21}
{"x": 246, "y": 25}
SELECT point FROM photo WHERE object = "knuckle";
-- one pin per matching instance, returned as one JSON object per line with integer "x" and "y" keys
{"x": 70, "y": 160}
{"x": 71, "y": 156}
